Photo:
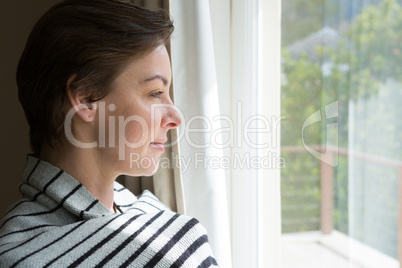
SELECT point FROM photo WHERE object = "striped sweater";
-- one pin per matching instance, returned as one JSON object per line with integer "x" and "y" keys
{"x": 59, "y": 223}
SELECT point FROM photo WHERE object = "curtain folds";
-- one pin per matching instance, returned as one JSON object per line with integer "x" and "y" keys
{"x": 196, "y": 95}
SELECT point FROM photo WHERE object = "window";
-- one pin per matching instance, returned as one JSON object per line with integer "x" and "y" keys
{"x": 341, "y": 95}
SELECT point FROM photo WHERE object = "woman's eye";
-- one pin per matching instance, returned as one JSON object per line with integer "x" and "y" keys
{"x": 157, "y": 94}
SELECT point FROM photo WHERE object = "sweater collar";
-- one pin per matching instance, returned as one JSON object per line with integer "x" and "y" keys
{"x": 64, "y": 190}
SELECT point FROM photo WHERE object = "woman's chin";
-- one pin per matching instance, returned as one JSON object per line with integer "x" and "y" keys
{"x": 144, "y": 171}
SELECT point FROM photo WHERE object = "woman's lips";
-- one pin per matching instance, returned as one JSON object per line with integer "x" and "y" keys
{"x": 158, "y": 146}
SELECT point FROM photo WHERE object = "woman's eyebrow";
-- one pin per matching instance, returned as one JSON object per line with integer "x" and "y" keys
{"x": 158, "y": 76}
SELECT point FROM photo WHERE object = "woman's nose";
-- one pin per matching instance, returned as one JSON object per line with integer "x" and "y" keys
{"x": 172, "y": 118}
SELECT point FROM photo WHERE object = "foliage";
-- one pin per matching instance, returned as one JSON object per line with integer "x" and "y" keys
{"x": 301, "y": 97}
{"x": 302, "y": 17}
{"x": 372, "y": 54}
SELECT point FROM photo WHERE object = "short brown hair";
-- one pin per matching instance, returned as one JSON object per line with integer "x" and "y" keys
{"x": 92, "y": 39}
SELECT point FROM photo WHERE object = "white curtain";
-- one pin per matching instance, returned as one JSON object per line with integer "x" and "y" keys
{"x": 196, "y": 95}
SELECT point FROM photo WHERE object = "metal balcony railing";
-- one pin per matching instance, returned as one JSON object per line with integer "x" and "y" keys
{"x": 327, "y": 184}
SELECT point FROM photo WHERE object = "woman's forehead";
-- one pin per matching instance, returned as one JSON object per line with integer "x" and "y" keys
{"x": 154, "y": 66}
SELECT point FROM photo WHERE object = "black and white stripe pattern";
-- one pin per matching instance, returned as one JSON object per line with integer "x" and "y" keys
{"x": 60, "y": 224}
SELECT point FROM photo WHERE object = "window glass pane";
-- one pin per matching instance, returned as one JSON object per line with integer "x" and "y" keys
{"x": 342, "y": 136}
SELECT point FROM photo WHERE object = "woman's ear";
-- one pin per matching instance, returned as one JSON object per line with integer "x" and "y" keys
{"x": 84, "y": 109}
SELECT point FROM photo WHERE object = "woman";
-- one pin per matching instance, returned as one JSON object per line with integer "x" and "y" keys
{"x": 94, "y": 83}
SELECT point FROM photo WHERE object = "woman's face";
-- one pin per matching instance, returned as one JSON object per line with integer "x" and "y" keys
{"x": 138, "y": 115}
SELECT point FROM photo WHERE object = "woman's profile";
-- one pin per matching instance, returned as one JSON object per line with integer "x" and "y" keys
{"x": 94, "y": 81}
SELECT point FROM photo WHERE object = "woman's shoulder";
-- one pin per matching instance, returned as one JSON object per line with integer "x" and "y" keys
{"x": 31, "y": 217}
